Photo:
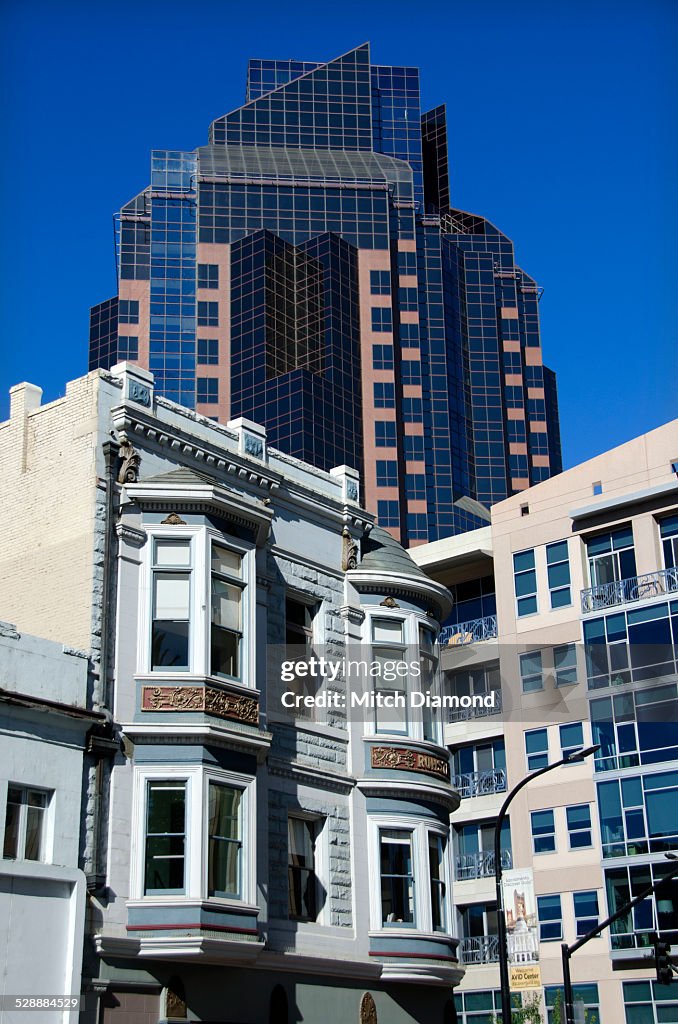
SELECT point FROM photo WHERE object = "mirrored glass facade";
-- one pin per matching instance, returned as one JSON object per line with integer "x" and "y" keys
{"x": 305, "y": 269}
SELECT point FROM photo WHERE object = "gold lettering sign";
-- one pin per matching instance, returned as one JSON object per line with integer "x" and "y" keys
{"x": 405, "y": 759}
{"x": 200, "y": 698}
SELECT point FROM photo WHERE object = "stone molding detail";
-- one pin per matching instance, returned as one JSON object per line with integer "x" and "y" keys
{"x": 389, "y": 602}
{"x": 129, "y": 464}
{"x": 201, "y": 698}
{"x": 349, "y": 550}
{"x": 405, "y": 759}
{"x": 368, "y": 1009}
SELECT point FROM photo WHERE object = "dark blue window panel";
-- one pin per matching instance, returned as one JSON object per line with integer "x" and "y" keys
{"x": 382, "y": 357}
{"x": 385, "y": 434}
{"x": 208, "y": 275}
{"x": 387, "y": 473}
{"x": 415, "y": 486}
{"x": 128, "y": 347}
{"x": 388, "y": 513}
{"x": 208, "y": 314}
{"x": 382, "y": 319}
{"x": 128, "y": 311}
{"x": 208, "y": 351}
{"x": 414, "y": 447}
{"x": 208, "y": 389}
{"x": 380, "y": 282}
{"x": 384, "y": 395}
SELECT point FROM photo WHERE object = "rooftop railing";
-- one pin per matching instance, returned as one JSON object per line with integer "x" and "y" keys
{"x": 485, "y": 783}
{"x": 636, "y": 588}
{"x": 470, "y": 632}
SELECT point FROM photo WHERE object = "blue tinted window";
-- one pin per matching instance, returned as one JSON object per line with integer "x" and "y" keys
{"x": 382, "y": 319}
{"x": 208, "y": 389}
{"x": 550, "y": 918}
{"x": 388, "y": 513}
{"x": 380, "y": 282}
{"x": 387, "y": 473}
{"x": 385, "y": 434}
{"x": 208, "y": 275}
{"x": 208, "y": 351}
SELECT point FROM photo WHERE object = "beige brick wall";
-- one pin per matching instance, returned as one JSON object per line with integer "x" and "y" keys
{"x": 47, "y": 496}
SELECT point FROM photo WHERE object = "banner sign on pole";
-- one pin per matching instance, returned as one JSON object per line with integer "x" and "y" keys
{"x": 522, "y": 929}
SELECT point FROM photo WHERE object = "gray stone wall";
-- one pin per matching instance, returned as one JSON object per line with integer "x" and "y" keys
{"x": 336, "y": 834}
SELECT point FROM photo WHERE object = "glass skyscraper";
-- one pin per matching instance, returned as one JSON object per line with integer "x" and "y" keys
{"x": 305, "y": 269}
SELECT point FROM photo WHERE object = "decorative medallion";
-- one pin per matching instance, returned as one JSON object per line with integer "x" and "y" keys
{"x": 201, "y": 698}
{"x": 405, "y": 759}
{"x": 349, "y": 550}
{"x": 173, "y": 519}
{"x": 368, "y": 1009}
{"x": 129, "y": 463}
{"x": 390, "y": 602}
{"x": 254, "y": 446}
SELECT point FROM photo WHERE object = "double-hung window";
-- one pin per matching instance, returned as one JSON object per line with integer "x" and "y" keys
{"x": 550, "y": 918}
{"x": 565, "y": 664}
{"x": 226, "y": 619}
{"x": 558, "y": 571}
{"x": 390, "y": 680}
{"x": 413, "y": 872}
{"x": 579, "y": 826}
{"x": 543, "y": 831}
{"x": 172, "y": 569}
{"x": 302, "y": 836}
{"x": 537, "y": 748}
{"x": 25, "y": 823}
{"x": 525, "y": 583}
{"x": 397, "y": 876}
{"x": 224, "y": 854}
{"x": 531, "y": 672}
{"x": 585, "y": 911}
{"x": 165, "y": 841}
{"x": 571, "y": 738}
{"x": 427, "y": 665}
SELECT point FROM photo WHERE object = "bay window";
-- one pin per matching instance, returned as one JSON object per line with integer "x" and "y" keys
{"x": 413, "y": 868}
{"x": 195, "y": 600}
{"x": 389, "y": 653}
{"x": 195, "y": 828}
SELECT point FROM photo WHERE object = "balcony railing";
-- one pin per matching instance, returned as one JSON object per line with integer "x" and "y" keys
{"x": 479, "y": 711}
{"x": 480, "y": 864}
{"x": 484, "y": 949}
{"x": 483, "y": 783}
{"x": 636, "y": 588}
{"x": 470, "y": 632}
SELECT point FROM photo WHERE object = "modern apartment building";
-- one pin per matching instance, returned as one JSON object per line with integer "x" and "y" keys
{"x": 246, "y": 860}
{"x": 566, "y": 608}
{"x": 305, "y": 270}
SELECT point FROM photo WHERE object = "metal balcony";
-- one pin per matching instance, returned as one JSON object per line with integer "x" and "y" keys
{"x": 480, "y": 864}
{"x": 484, "y": 949}
{"x": 484, "y": 783}
{"x": 467, "y": 714}
{"x": 470, "y": 632}
{"x": 636, "y": 588}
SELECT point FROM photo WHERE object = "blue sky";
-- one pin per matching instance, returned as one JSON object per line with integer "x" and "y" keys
{"x": 562, "y": 132}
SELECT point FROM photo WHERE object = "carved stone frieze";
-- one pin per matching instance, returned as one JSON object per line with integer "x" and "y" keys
{"x": 406, "y": 759}
{"x": 208, "y": 699}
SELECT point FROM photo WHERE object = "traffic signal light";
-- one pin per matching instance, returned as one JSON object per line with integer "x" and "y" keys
{"x": 662, "y": 960}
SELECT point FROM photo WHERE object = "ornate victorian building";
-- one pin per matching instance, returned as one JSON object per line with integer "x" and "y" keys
{"x": 253, "y": 852}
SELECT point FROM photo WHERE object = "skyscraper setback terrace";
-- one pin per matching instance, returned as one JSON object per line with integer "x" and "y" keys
{"x": 306, "y": 270}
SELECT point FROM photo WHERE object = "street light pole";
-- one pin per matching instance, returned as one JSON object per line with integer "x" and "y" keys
{"x": 578, "y": 755}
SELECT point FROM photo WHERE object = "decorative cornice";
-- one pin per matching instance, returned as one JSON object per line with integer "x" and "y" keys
{"x": 354, "y": 615}
{"x": 310, "y": 774}
{"x": 410, "y": 789}
{"x": 402, "y": 584}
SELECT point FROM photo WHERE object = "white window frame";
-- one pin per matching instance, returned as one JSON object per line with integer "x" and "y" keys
{"x": 47, "y": 831}
{"x": 197, "y": 779}
{"x": 201, "y": 537}
{"x": 423, "y": 918}
{"x": 411, "y": 622}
